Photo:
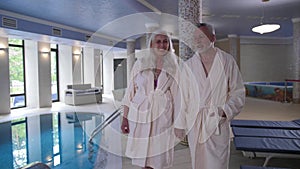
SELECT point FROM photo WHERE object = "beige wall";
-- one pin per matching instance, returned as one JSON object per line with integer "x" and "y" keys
{"x": 263, "y": 59}
{"x": 266, "y": 59}
{"x": 223, "y": 44}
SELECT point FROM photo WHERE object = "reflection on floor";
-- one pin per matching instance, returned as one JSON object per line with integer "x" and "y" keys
{"x": 254, "y": 109}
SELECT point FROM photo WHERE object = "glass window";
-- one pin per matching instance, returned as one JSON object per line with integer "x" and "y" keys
{"x": 17, "y": 73}
{"x": 54, "y": 73}
{"x": 15, "y": 42}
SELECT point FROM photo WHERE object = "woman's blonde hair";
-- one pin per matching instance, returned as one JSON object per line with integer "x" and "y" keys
{"x": 160, "y": 32}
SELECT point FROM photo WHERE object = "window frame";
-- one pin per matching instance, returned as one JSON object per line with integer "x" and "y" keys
{"x": 24, "y": 75}
{"x": 57, "y": 73}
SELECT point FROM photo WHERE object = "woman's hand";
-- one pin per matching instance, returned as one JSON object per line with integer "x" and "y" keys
{"x": 179, "y": 133}
{"x": 125, "y": 126}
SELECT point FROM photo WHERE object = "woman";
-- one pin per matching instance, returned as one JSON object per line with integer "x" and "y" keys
{"x": 149, "y": 105}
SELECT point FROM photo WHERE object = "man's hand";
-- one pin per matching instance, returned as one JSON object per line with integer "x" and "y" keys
{"x": 222, "y": 113}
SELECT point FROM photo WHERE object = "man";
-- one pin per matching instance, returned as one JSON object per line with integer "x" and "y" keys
{"x": 222, "y": 96}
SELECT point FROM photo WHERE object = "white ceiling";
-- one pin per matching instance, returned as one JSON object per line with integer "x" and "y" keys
{"x": 121, "y": 19}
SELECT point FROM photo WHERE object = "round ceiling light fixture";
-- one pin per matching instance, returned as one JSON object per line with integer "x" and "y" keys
{"x": 265, "y": 28}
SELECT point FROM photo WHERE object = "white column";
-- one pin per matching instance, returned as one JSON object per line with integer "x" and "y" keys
{"x": 130, "y": 57}
{"x": 44, "y": 75}
{"x": 65, "y": 69}
{"x": 92, "y": 72}
{"x": 38, "y": 74}
{"x": 4, "y": 80}
{"x": 143, "y": 40}
{"x": 296, "y": 59}
{"x": 31, "y": 73}
{"x": 97, "y": 67}
{"x": 89, "y": 74}
{"x": 108, "y": 72}
{"x": 77, "y": 65}
{"x": 100, "y": 68}
{"x": 92, "y": 68}
{"x": 234, "y": 47}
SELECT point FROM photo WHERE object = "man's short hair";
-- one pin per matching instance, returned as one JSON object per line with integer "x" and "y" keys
{"x": 210, "y": 28}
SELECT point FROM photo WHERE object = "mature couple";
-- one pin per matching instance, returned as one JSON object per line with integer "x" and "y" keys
{"x": 168, "y": 98}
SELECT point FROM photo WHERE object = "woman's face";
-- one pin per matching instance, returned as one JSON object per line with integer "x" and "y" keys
{"x": 160, "y": 45}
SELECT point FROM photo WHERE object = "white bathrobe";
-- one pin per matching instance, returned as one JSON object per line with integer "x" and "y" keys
{"x": 222, "y": 90}
{"x": 151, "y": 112}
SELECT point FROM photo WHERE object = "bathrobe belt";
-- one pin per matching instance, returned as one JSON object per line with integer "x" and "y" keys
{"x": 156, "y": 103}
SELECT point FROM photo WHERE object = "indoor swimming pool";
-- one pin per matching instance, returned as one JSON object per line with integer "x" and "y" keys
{"x": 276, "y": 91}
{"x": 58, "y": 139}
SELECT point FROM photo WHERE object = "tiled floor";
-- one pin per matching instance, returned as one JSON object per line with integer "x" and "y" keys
{"x": 254, "y": 109}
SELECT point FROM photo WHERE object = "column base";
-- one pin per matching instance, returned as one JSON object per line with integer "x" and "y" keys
{"x": 296, "y": 100}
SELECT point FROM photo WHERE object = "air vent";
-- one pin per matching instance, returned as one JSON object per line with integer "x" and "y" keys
{"x": 56, "y": 31}
{"x": 9, "y": 22}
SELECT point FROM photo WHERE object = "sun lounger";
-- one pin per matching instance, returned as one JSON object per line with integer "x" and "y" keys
{"x": 269, "y": 147}
{"x": 273, "y": 145}
{"x": 256, "y": 167}
{"x": 295, "y": 124}
{"x": 265, "y": 132}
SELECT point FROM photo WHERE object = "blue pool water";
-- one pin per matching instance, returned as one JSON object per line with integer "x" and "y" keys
{"x": 59, "y": 140}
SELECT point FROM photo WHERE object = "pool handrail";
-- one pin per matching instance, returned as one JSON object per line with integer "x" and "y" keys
{"x": 106, "y": 122}
{"x": 101, "y": 127}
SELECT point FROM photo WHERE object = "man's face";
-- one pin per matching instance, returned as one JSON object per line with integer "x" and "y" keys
{"x": 160, "y": 45}
{"x": 202, "y": 39}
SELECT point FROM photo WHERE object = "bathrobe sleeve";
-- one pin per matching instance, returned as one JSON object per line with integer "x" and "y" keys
{"x": 179, "y": 117}
{"x": 236, "y": 90}
{"x": 185, "y": 94}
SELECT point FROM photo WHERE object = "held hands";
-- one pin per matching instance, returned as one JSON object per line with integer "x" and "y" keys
{"x": 223, "y": 114}
{"x": 125, "y": 126}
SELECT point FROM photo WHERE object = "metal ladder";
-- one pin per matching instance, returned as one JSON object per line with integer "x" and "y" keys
{"x": 101, "y": 127}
